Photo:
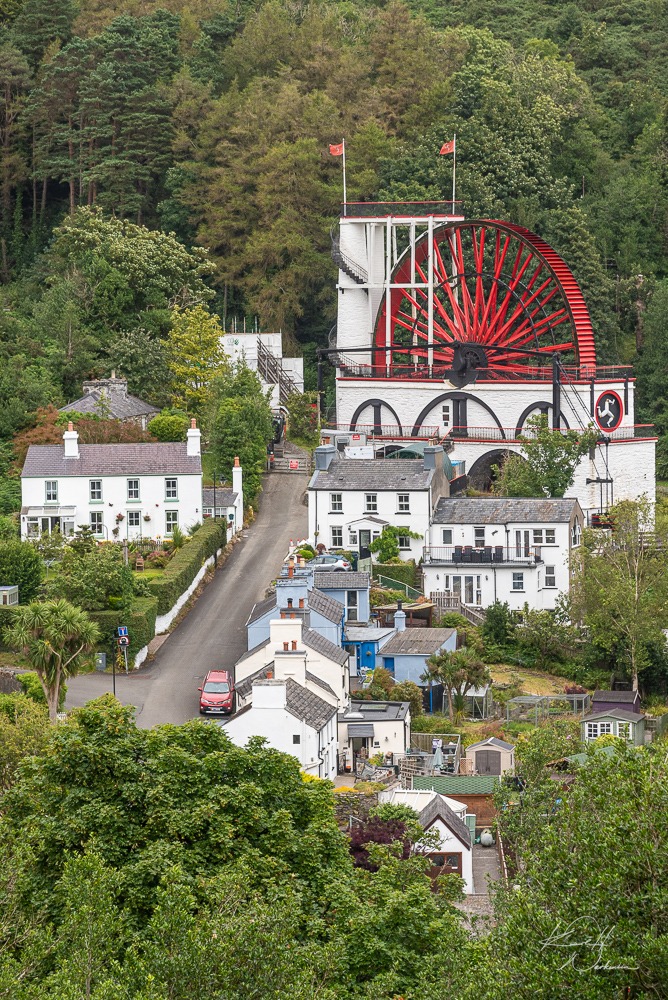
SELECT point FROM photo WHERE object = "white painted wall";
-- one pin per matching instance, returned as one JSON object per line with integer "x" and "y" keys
{"x": 389, "y": 736}
{"x": 268, "y": 717}
{"x": 322, "y": 518}
{"x": 496, "y": 581}
{"x": 74, "y": 491}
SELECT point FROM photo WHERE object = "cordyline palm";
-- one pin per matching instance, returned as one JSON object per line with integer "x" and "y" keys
{"x": 56, "y": 638}
{"x": 458, "y": 672}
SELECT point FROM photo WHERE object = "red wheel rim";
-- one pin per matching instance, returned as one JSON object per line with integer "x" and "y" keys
{"x": 495, "y": 284}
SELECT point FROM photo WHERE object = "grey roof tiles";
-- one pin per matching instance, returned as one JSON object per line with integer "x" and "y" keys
{"x": 417, "y": 642}
{"x": 377, "y": 474}
{"x": 163, "y": 459}
{"x": 501, "y": 510}
{"x": 306, "y": 705}
{"x": 326, "y": 606}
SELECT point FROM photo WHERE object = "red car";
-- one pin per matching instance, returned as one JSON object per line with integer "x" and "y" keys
{"x": 217, "y": 693}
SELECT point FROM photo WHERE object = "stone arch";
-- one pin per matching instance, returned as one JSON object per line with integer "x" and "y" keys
{"x": 480, "y": 474}
{"x": 544, "y": 407}
{"x": 376, "y": 404}
{"x": 456, "y": 395}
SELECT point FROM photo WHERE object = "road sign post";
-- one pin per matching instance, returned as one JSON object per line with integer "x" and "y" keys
{"x": 123, "y": 640}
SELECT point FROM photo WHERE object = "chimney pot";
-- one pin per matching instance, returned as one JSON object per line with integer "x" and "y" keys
{"x": 282, "y": 614}
{"x": 291, "y": 568}
{"x": 236, "y": 462}
{"x": 294, "y": 643}
{"x": 70, "y": 425}
{"x": 292, "y": 614}
{"x": 289, "y": 602}
{"x": 301, "y": 602}
{"x": 193, "y": 423}
{"x": 286, "y": 647}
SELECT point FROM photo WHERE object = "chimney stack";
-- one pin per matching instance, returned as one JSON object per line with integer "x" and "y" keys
{"x": 193, "y": 440}
{"x": 400, "y": 618}
{"x": 71, "y": 440}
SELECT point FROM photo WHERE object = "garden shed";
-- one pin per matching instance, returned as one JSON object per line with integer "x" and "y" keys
{"x": 492, "y": 756}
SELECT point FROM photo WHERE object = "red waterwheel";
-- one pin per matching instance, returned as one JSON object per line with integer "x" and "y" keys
{"x": 495, "y": 284}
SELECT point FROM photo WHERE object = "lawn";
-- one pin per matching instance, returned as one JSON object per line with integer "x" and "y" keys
{"x": 530, "y": 681}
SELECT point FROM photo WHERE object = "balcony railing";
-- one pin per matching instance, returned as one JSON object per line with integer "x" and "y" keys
{"x": 411, "y": 369}
{"x": 472, "y": 433}
{"x": 465, "y": 555}
{"x": 392, "y": 431}
{"x": 401, "y": 209}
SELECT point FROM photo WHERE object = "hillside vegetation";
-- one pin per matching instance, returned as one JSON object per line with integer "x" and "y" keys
{"x": 213, "y": 121}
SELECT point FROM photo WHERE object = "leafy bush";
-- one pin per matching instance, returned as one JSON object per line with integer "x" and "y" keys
{"x": 169, "y": 426}
{"x": 178, "y": 538}
{"x": 21, "y": 566}
{"x": 402, "y": 572}
{"x": 158, "y": 559}
{"x": 95, "y": 581}
{"x": 498, "y": 626}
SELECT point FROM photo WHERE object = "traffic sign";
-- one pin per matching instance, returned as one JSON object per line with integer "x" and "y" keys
{"x": 123, "y": 640}
{"x": 122, "y": 630}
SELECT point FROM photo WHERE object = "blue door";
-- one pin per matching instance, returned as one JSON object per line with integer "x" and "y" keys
{"x": 388, "y": 663}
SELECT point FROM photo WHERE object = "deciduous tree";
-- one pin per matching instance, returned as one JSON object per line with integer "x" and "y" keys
{"x": 547, "y": 461}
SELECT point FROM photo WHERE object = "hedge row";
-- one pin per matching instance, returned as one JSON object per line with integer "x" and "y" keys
{"x": 140, "y": 621}
{"x": 403, "y": 572}
{"x": 184, "y": 566}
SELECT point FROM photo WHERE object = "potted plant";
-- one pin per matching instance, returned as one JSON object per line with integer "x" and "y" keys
{"x": 147, "y": 517}
{"x": 120, "y": 517}
{"x": 114, "y": 532}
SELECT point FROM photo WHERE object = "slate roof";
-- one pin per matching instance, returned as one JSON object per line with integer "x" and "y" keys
{"x": 621, "y": 697}
{"x": 614, "y": 713}
{"x": 261, "y": 608}
{"x": 319, "y": 681}
{"x": 340, "y": 580}
{"x": 417, "y": 641}
{"x": 459, "y": 784}
{"x": 501, "y": 510}
{"x": 306, "y": 705}
{"x": 326, "y": 606}
{"x": 375, "y": 711}
{"x": 113, "y": 400}
{"x": 438, "y": 808}
{"x": 378, "y": 474}
{"x": 493, "y": 741}
{"x": 322, "y": 645}
{"x": 245, "y": 686}
{"x": 225, "y": 497}
{"x": 163, "y": 459}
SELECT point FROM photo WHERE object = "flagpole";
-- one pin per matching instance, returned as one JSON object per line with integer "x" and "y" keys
{"x": 344, "y": 178}
{"x": 454, "y": 169}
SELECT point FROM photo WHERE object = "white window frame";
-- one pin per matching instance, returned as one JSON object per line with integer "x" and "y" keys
{"x": 352, "y": 537}
{"x": 404, "y": 542}
{"x": 518, "y": 578}
{"x": 336, "y": 503}
{"x": 352, "y": 605}
{"x": 403, "y": 503}
{"x": 136, "y": 515}
{"x": 96, "y": 521}
{"x": 576, "y": 535}
{"x": 604, "y": 728}
{"x": 171, "y": 492}
{"x": 171, "y": 521}
{"x": 371, "y": 503}
{"x": 625, "y": 730}
{"x": 447, "y": 536}
{"x": 592, "y": 730}
{"x": 550, "y": 536}
{"x": 338, "y": 532}
{"x": 95, "y": 488}
{"x": 132, "y": 489}
{"x": 550, "y": 576}
{"x": 50, "y": 491}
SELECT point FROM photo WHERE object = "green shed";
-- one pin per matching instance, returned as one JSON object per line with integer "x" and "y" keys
{"x": 629, "y": 726}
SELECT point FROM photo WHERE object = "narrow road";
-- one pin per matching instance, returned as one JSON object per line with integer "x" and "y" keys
{"x": 213, "y": 634}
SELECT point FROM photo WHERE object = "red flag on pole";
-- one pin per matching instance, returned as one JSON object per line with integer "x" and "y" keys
{"x": 447, "y": 147}
{"x": 336, "y": 150}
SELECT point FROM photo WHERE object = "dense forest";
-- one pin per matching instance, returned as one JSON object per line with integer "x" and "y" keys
{"x": 133, "y": 132}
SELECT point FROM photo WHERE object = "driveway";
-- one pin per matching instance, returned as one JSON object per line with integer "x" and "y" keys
{"x": 213, "y": 634}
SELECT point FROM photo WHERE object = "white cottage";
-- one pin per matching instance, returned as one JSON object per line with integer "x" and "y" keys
{"x": 352, "y": 499}
{"x": 447, "y": 817}
{"x": 292, "y": 719}
{"x": 483, "y": 549}
{"x": 226, "y": 503}
{"x": 120, "y": 490}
